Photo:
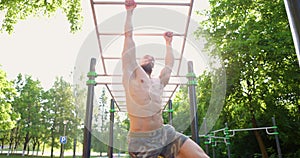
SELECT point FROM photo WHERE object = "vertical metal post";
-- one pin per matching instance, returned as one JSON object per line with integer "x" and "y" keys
{"x": 62, "y": 148}
{"x": 111, "y": 128}
{"x": 227, "y": 140}
{"x": 89, "y": 111}
{"x": 74, "y": 147}
{"x": 193, "y": 103}
{"x": 206, "y": 137}
{"x": 276, "y": 138}
{"x": 292, "y": 8}
{"x": 170, "y": 112}
{"x": 214, "y": 151}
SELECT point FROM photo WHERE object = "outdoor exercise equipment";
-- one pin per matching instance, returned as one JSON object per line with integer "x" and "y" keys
{"x": 292, "y": 8}
{"x": 119, "y": 100}
{"x": 213, "y": 138}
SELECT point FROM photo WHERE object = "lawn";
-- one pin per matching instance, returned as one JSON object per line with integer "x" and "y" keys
{"x": 19, "y": 156}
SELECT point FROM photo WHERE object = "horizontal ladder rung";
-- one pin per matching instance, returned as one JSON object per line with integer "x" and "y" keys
{"x": 120, "y": 75}
{"x": 119, "y": 83}
{"x": 137, "y": 34}
{"x": 141, "y": 3}
{"x": 118, "y": 58}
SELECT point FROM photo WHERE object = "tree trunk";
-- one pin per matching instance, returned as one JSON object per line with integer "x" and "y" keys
{"x": 25, "y": 143}
{"x": 259, "y": 139}
{"x": 38, "y": 148}
{"x": 16, "y": 144}
{"x": 43, "y": 149}
{"x": 28, "y": 149}
{"x": 2, "y": 144}
{"x": 33, "y": 145}
{"x": 52, "y": 144}
{"x": 10, "y": 145}
{"x": 17, "y": 139}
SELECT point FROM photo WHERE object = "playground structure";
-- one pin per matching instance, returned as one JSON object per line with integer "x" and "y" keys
{"x": 213, "y": 138}
{"x": 118, "y": 94}
{"x": 292, "y": 8}
{"x": 118, "y": 100}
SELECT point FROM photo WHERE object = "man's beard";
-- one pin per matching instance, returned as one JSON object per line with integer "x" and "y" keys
{"x": 147, "y": 68}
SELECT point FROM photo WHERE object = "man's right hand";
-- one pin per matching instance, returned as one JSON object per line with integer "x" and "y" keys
{"x": 168, "y": 37}
{"x": 130, "y": 5}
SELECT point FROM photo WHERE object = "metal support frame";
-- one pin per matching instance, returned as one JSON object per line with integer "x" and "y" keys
{"x": 89, "y": 112}
{"x": 206, "y": 142}
{"x": 142, "y": 3}
{"x": 118, "y": 100}
{"x": 170, "y": 112}
{"x": 103, "y": 58}
{"x": 212, "y": 138}
{"x": 227, "y": 139}
{"x": 277, "y": 139}
{"x": 111, "y": 129}
{"x": 292, "y": 8}
{"x": 193, "y": 102}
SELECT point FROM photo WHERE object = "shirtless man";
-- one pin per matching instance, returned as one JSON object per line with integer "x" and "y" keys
{"x": 148, "y": 136}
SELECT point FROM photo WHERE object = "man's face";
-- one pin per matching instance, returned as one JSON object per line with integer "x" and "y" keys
{"x": 147, "y": 63}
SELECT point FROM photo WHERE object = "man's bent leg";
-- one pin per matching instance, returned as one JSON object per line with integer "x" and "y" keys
{"x": 191, "y": 149}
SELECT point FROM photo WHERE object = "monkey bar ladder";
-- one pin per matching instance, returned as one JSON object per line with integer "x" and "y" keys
{"x": 118, "y": 94}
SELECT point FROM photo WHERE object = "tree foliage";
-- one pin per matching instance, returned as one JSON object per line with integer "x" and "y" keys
{"x": 8, "y": 116}
{"x": 37, "y": 117}
{"x": 15, "y": 10}
{"x": 28, "y": 104}
{"x": 63, "y": 121}
{"x": 254, "y": 41}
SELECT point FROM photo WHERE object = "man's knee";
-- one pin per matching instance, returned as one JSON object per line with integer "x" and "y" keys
{"x": 191, "y": 149}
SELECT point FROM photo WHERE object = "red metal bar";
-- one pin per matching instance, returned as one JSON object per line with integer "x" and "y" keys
{"x": 112, "y": 90}
{"x": 97, "y": 32}
{"x": 120, "y": 75}
{"x": 118, "y": 58}
{"x": 137, "y": 34}
{"x": 112, "y": 96}
{"x": 119, "y": 83}
{"x": 173, "y": 92}
{"x": 119, "y": 96}
{"x": 142, "y": 3}
{"x": 186, "y": 32}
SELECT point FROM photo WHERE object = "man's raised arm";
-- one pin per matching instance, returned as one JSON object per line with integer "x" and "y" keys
{"x": 165, "y": 73}
{"x": 128, "y": 55}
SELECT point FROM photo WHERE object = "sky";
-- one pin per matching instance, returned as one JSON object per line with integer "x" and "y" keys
{"x": 44, "y": 47}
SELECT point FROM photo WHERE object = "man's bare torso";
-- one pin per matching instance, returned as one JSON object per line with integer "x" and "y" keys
{"x": 143, "y": 100}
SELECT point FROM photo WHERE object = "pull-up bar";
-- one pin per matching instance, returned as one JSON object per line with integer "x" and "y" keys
{"x": 120, "y": 75}
{"x": 120, "y": 83}
{"x": 118, "y": 58}
{"x": 137, "y": 34}
{"x": 141, "y": 3}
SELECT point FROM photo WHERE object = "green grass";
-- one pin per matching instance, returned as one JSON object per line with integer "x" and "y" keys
{"x": 19, "y": 156}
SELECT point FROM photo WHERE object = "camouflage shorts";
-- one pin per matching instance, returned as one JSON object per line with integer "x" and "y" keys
{"x": 165, "y": 142}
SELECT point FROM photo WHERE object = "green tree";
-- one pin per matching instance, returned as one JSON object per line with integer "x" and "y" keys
{"x": 63, "y": 120}
{"x": 80, "y": 95}
{"x": 8, "y": 116}
{"x": 206, "y": 96}
{"x": 101, "y": 122}
{"x": 254, "y": 41}
{"x": 28, "y": 104}
{"x": 15, "y": 10}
